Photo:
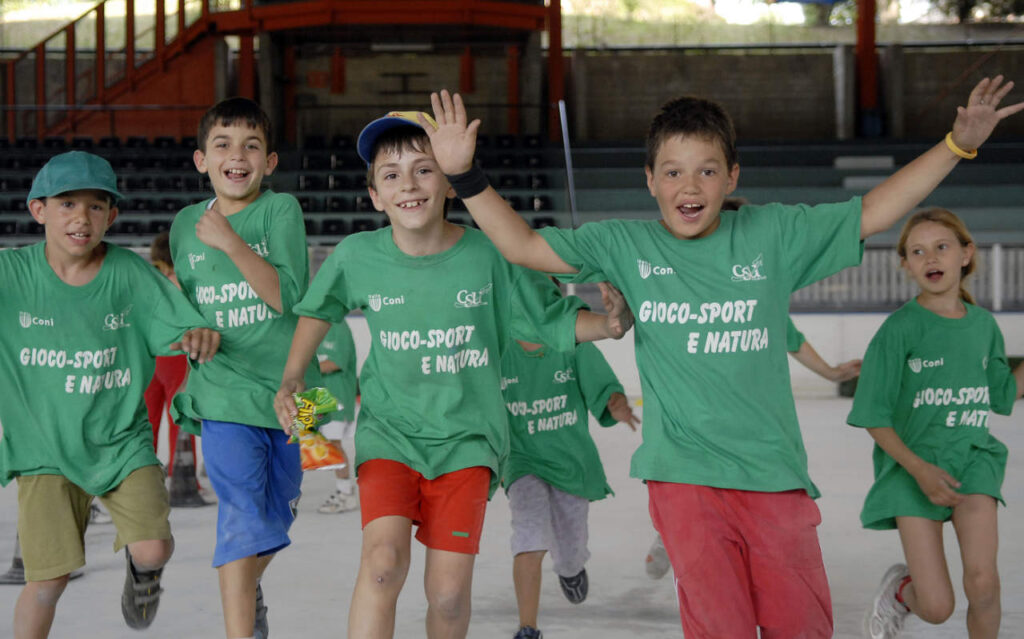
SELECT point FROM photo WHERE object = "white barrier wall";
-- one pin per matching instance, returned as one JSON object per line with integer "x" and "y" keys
{"x": 836, "y": 336}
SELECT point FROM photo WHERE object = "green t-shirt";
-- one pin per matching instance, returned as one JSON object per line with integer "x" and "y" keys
{"x": 794, "y": 338}
{"x": 75, "y": 362}
{"x": 710, "y": 334}
{"x": 430, "y": 386}
{"x": 934, "y": 380}
{"x": 548, "y": 395}
{"x": 339, "y": 348}
{"x": 239, "y": 384}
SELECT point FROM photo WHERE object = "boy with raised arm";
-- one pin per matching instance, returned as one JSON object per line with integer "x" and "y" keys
{"x": 442, "y": 307}
{"x": 241, "y": 259}
{"x": 722, "y": 453}
{"x": 84, "y": 321}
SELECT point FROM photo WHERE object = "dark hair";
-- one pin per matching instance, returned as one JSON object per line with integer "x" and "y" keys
{"x": 696, "y": 117}
{"x": 398, "y": 139}
{"x": 959, "y": 229}
{"x": 160, "y": 249}
{"x": 236, "y": 111}
{"x": 111, "y": 200}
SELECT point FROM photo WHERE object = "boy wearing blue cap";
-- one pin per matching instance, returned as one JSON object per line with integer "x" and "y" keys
{"x": 76, "y": 353}
{"x": 242, "y": 261}
{"x": 442, "y": 307}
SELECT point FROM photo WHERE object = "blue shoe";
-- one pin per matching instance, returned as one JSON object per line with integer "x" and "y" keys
{"x": 575, "y": 588}
{"x": 528, "y": 632}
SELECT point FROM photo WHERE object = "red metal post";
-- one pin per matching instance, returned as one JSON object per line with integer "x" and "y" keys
{"x": 40, "y": 90}
{"x": 867, "y": 62}
{"x": 101, "y": 54}
{"x": 512, "y": 91}
{"x": 129, "y": 39}
{"x": 161, "y": 35}
{"x": 181, "y": 18}
{"x": 466, "y": 80}
{"x": 337, "y": 71}
{"x": 246, "y": 67}
{"x": 556, "y": 69}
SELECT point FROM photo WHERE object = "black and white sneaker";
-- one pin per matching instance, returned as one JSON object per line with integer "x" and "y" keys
{"x": 575, "y": 588}
{"x": 141, "y": 595}
{"x": 528, "y": 632}
{"x": 260, "y": 627}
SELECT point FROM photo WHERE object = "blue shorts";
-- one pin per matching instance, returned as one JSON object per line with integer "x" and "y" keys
{"x": 257, "y": 476}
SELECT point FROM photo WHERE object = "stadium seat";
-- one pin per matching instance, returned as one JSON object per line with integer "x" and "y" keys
{"x": 540, "y": 203}
{"x": 542, "y": 221}
{"x": 361, "y": 224}
{"x": 509, "y": 181}
{"x": 312, "y": 226}
{"x": 310, "y": 182}
{"x": 81, "y": 143}
{"x": 314, "y": 142}
{"x": 136, "y": 142}
{"x": 337, "y": 204}
{"x": 342, "y": 142}
{"x": 334, "y": 226}
{"x": 8, "y": 227}
{"x": 110, "y": 142}
{"x": 309, "y": 204}
{"x": 537, "y": 181}
{"x": 337, "y": 182}
{"x": 158, "y": 226}
{"x": 363, "y": 203}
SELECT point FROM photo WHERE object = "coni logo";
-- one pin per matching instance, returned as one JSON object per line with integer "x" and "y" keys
{"x": 27, "y": 319}
{"x": 914, "y": 364}
{"x": 645, "y": 268}
{"x": 374, "y": 300}
{"x": 917, "y": 364}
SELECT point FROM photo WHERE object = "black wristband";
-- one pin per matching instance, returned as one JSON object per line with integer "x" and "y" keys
{"x": 472, "y": 182}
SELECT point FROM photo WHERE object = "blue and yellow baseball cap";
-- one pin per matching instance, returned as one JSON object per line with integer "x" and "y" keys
{"x": 368, "y": 136}
{"x": 74, "y": 171}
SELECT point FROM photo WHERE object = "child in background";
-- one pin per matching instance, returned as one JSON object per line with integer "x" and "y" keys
{"x": 932, "y": 375}
{"x": 442, "y": 307}
{"x": 337, "y": 355}
{"x": 554, "y": 470}
{"x": 169, "y": 375}
{"x": 722, "y": 453}
{"x": 84, "y": 321}
{"x": 241, "y": 260}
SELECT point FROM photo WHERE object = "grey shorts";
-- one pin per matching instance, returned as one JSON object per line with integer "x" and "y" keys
{"x": 546, "y": 518}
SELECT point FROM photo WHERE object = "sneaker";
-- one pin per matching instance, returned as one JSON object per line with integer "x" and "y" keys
{"x": 887, "y": 614}
{"x": 260, "y": 627}
{"x": 141, "y": 595}
{"x": 97, "y": 515}
{"x": 575, "y": 588}
{"x": 528, "y": 632}
{"x": 339, "y": 502}
{"x": 657, "y": 564}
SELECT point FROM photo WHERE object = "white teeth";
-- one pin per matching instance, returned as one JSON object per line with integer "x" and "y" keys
{"x": 237, "y": 172}
{"x": 409, "y": 205}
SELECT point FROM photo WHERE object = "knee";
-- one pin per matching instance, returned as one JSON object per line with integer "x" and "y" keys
{"x": 47, "y": 592}
{"x": 151, "y": 554}
{"x": 386, "y": 565}
{"x": 934, "y": 608}
{"x": 982, "y": 588}
{"x": 449, "y": 602}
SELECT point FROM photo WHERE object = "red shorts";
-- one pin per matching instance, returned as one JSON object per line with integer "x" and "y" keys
{"x": 448, "y": 510}
{"x": 744, "y": 560}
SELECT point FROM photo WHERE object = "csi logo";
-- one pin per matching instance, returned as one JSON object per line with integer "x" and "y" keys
{"x": 471, "y": 299}
{"x": 562, "y": 377}
{"x": 114, "y": 321}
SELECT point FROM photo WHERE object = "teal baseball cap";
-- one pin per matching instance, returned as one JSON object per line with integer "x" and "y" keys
{"x": 74, "y": 171}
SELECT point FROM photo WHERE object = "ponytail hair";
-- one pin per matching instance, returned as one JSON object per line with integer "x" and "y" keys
{"x": 951, "y": 222}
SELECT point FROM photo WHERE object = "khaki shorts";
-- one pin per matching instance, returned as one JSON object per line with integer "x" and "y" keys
{"x": 53, "y": 514}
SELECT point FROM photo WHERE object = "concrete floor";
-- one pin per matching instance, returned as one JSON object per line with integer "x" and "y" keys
{"x": 308, "y": 586}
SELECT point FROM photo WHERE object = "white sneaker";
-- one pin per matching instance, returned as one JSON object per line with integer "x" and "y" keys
{"x": 339, "y": 502}
{"x": 657, "y": 563}
{"x": 97, "y": 515}
{"x": 885, "y": 618}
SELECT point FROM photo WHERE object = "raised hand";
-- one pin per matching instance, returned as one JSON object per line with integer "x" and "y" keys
{"x": 619, "y": 315}
{"x": 618, "y": 407}
{"x": 976, "y": 121}
{"x": 453, "y": 141}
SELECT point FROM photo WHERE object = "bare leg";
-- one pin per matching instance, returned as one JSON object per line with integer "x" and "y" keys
{"x": 151, "y": 554}
{"x": 36, "y": 606}
{"x": 526, "y": 575}
{"x": 977, "y": 530}
{"x": 238, "y": 581}
{"x": 383, "y": 567}
{"x": 930, "y": 594}
{"x": 448, "y": 581}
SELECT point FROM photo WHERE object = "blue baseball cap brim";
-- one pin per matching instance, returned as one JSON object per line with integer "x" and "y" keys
{"x": 368, "y": 136}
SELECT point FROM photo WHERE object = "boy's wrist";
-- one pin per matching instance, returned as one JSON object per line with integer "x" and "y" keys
{"x": 468, "y": 183}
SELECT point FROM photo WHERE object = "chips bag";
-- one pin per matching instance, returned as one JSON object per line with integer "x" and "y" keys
{"x": 317, "y": 452}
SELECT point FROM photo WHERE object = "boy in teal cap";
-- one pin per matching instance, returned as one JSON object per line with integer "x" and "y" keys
{"x": 83, "y": 322}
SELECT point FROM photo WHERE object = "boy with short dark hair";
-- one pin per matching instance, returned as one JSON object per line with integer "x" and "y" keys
{"x": 442, "y": 307}
{"x": 242, "y": 261}
{"x": 722, "y": 454}
{"x": 85, "y": 320}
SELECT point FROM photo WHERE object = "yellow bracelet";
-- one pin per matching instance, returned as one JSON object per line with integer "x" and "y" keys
{"x": 967, "y": 155}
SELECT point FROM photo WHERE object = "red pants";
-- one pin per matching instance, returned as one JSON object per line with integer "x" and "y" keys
{"x": 167, "y": 379}
{"x": 744, "y": 560}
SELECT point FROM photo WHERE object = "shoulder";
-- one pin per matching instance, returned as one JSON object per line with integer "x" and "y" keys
{"x": 279, "y": 205}
{"x": 184, "y": 221}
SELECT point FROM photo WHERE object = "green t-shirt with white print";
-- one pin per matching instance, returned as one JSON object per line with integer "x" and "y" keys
{"x": 794, "y": 338}
{"x": 75, "y": 362}
{"x": 338, "y": 347}
{"x": 430, "y": 386}
{"x": 547, "y": 395}
{"x": 934, "y": 380}
{"x": 710, "y": 334}
{"x": 239, "y": 384}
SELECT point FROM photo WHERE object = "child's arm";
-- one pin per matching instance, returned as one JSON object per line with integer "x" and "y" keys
{"x": 214, "y": 230}
{"x": 810, "y": 358}
{"x": 200, "y": 344}
{"x": 327, "y": 366}
{"x": 938, "y": 485}
{"x": 885, "y": 204}
{"x": 1019, "y": 374}
{"x": 591, "y": 326}
{"x": 454, "y": 143}
{"x": 618, "y": 407}
{"x": 309, "y": 332}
